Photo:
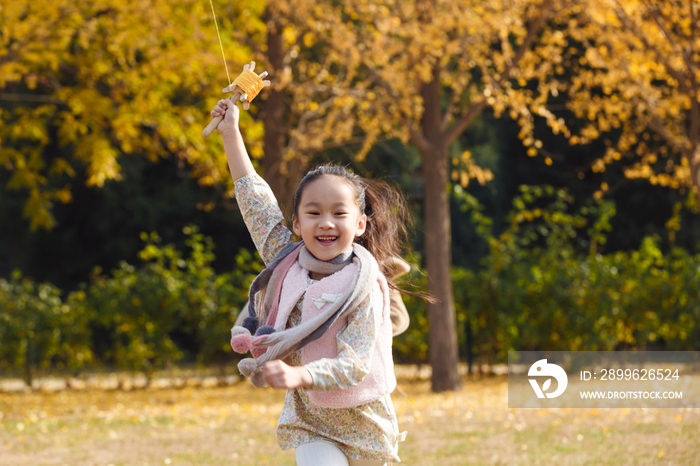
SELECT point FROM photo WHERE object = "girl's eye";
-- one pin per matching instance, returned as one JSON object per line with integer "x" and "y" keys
{"x": 341, "y": 213}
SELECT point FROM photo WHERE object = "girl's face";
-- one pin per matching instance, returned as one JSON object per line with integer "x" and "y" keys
{"x": 328, "y": 217}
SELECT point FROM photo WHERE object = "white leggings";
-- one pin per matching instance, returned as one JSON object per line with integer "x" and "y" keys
{"x": 323, "y": 453}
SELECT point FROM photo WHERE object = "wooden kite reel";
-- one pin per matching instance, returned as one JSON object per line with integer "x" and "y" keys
{"x": 245, "y": 87}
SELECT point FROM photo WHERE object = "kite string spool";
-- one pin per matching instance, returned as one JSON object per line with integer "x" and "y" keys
{"x": 250, "y": 83}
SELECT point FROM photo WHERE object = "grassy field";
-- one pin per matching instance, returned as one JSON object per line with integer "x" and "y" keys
{"x": 236, "y": 425}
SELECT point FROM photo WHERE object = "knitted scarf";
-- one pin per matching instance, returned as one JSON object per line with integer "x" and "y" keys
{"x": 265, "y": 342}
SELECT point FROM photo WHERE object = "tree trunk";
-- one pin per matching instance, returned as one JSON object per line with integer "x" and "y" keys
{"x": 693, "y": 158}
{"x": 282, "y": 177}
{"x": 274, "y": 111}
{"x": 295, "y": 172}
{"x": 692, "y": 154}
{"x": 443, "y": 352}
{"x": 28, "y": 372}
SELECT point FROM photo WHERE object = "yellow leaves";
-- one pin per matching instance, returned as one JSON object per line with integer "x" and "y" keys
{"x": 598, "y": 166}
{"x": 639, "y": 171}
{"x": 36, "y": 209}
{"x": 368, "y": 143}
{"x": 63, "y": 195}
{"x": 309, "y": 39}
{"x": 124, "y": 80}
{"x": 61, "y": 166}
{"x": 101, "y": 157}
{"x": 467, "y": 169}
{"x": 629, "y": 80}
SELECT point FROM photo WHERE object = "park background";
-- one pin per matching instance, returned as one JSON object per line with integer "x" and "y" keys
{"x": 548, "y": 150}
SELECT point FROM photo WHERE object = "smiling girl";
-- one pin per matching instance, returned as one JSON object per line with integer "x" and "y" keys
{"x": 318, "y": 322}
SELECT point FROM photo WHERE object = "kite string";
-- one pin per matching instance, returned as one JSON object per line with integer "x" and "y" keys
{"x": 220, "y": 43}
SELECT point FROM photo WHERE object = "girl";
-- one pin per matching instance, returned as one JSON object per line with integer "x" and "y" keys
{"x": 318, "y": 321}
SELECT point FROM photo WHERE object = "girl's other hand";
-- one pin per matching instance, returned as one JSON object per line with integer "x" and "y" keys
{"x": 278, "y": 374}
{"x": 230, "y": 112}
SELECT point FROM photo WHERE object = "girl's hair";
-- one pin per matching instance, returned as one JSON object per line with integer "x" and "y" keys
{"x": 388, "y": 217}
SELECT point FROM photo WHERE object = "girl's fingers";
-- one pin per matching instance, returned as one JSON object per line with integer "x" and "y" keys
{"x": 220, "y": 109}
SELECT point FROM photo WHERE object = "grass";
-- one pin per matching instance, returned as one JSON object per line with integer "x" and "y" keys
{"x": 236, "y": 425}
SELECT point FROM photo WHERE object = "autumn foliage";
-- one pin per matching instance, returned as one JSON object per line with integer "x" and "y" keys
{"x": 634, "y": 68}
{"x": 84, "y": 84}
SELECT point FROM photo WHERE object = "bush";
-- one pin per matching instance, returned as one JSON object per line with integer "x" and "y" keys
{"x": 137, "y": 319}
{"x": 545, "y": 286}
{"x": 152, "y": 316}
{"x": 38, "y": 331}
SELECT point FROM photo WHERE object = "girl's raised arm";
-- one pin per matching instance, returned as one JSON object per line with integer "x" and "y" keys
{"x": 256, "y": 200}
{"x": 238, "y": 160}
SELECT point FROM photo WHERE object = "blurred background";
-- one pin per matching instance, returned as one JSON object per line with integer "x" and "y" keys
{"x": 548, "y": 150}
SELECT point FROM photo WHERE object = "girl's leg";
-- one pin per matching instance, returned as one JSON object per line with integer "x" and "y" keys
{"x": 354, "y": 462}
{"x": 320, "y": 453}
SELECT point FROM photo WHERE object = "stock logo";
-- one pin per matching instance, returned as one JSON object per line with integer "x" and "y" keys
{"x": 542, "y": 369}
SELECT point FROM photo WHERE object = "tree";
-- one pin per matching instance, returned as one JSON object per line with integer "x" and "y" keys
{"x": 430, "y": 69}
{"x": 637, "y": 84}
{"x": 84, "y": 82}
{"x": 315, "y": 102}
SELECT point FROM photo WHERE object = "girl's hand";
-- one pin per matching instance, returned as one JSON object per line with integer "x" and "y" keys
{"x": 278, "y": 374}
{"x": 230, "y": 112}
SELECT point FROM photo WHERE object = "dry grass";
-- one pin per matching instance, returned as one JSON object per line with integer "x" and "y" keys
{"x": 236, "y": 425}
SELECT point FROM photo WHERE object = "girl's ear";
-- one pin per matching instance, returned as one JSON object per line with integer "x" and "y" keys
{"x": 296, "y": 228}
{"x": 361, "y": 225}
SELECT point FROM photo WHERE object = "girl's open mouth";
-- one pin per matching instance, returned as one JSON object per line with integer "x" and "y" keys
{"x": 326, "y": 240}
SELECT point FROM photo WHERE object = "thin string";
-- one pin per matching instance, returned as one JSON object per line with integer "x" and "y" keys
{"x": 220, "y": 43}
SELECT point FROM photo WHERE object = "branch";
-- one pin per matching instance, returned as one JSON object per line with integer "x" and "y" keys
{"x": 691, "y": 39}
{"x": 44, "y": 99}
{"x": 463, "y": 123}
{"x": 662, "y": 128}
{"x": 677, "y": 75}
{"x": 322, "y": 89}
{"x": 686, "y": 82}
{"x": 532, "y": 33}
{"x": 293, "y": 144}
{"x": 247, "y": 40}
{"x": 297, "y": 43}
{"x": 417, "y": 138}
{"x": 678, "y": 27}
{"x": 448, "y": 111}
{"x": 655, "y": 121}
{"x": 688, "y": 60}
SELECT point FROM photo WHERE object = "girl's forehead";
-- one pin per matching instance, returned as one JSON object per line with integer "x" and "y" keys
{"x": 328, "y": 189}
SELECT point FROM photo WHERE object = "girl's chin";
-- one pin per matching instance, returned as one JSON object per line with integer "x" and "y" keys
{"x": 325, "y": 251}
